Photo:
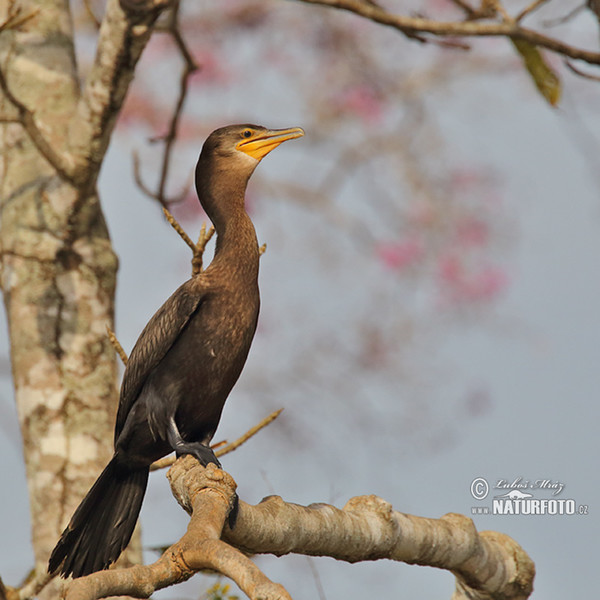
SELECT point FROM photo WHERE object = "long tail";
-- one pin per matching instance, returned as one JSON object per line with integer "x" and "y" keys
{"x": 102, "y": 524}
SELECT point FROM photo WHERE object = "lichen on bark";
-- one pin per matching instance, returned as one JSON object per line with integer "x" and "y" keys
{"x": 58, "y": 268}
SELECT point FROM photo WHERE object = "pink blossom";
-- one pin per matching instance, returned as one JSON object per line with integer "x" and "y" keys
{"x": 399, "y": 255}
{"x": 462, "y": 285}
{"x": 472, "y": 232}
{"x": 451, "y": 270}
{"x": 487, "y": 283}
{"x": 362, "y": 101}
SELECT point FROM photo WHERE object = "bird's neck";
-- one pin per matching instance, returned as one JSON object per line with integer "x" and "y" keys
{"x": 237, "y": 247}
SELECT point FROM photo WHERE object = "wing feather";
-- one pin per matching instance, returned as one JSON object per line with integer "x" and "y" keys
{"x": 154, "y": 342}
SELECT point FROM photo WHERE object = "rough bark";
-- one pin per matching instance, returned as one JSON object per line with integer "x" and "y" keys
{"x": 58, "y": 267}
{"x": 487, "y": 565}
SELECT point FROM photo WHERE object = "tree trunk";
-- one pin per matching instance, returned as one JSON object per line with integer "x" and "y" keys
{"x": 58, "y": 269}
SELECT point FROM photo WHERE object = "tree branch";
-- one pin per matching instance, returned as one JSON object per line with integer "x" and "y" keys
{"x": 581, "y": 73}
{"x": 61, "y": 163}
{"x": 529, "y": 9}
{"x": 470, "y": 28}
{"x": 190, "y": 66}
{"x": 123, "y": 36}
{"x": 169, "y": 461}
{"x": 487, "y": 565}
{"x": 112, "y": 336}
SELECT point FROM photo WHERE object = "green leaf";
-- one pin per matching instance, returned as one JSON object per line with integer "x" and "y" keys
{"x": 545, "y": 79}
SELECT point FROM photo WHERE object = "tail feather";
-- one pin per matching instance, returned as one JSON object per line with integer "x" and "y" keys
{"x": 103, "y": 523}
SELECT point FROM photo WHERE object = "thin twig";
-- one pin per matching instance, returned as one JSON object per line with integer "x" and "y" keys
{"x": 487, "y": 9}
{"x": 15, "y": 18}
{"x": 172, "y": 28}
{"x": 190, "y": 67}
{"x": 566, "y": 18}
{"x": 581, "y": 73}
{"x": 411, "y": 25}
{"x": 179, "y": 229}
{"x": 169, "y": 460}
{"x": 529, "y": 9}
{"x": 203, "y": 239}
{"x": 251, "y": 432}
{"x": 471, "y": 12}
{"x": 137, "y": 176}
{"x": 117, "y": 345}
{"x": 163, "y": 463}
{"x": 497, "y": 6}
{"x": 197, "y": 248}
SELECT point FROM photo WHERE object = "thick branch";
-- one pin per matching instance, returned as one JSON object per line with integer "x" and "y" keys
{"x": 411, "y": 25}
{"x": 200, "y": 548}
{"x": 123, "y": 36}
{"x": 486, "y": 565}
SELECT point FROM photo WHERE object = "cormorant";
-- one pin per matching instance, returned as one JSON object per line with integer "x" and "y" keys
{"x": 186, "y": 360}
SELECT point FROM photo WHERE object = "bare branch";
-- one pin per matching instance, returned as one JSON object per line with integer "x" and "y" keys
{"x": 250, "y": 433}
{"x": 581, "y": 73}
{"x": 529, "y": 9}
{"x": 412, "y": 25}
{"x": 15, "y": 19}
{"x": 179, "y": 229}
{"x": 117, "y": 345}
{"x": 470, "y": 11}
{"x": 123, "y": 36}
{"x": 566, "y": 18}
{"x": 190, "y": 66}
{"x": 137, "y": 176}
{"x": 172, "y": 28}
{"x": 486, "y": 564}
{"x": 203, "y": 239}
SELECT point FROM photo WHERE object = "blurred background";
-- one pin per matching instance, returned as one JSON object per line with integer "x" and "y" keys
{"x": 430, "y": 290}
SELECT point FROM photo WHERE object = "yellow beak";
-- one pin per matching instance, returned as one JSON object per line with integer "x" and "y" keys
{"x": 264, "y": 141}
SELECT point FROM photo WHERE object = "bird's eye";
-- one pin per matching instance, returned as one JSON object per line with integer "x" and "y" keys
{"x": 247, "y": 133}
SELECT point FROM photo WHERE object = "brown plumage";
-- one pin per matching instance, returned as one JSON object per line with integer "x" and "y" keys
{"x": 186, "y": 360}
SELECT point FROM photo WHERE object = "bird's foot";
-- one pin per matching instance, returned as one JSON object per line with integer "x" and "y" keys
{"x": 202, "y": 453}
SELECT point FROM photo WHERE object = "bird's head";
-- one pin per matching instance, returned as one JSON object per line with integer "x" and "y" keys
{"x": 228, "y": 158}
{"x": 244, "y": 146}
